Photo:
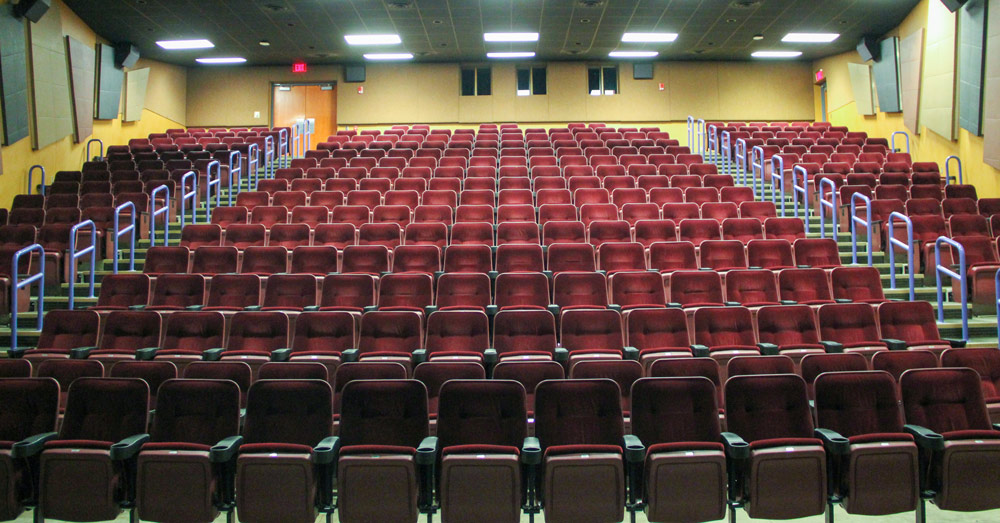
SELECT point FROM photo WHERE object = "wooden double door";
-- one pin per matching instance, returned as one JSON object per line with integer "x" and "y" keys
{"x": 293, "y": 102}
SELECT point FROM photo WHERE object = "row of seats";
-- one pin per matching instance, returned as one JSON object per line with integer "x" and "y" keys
{"x": 771, "y": 461}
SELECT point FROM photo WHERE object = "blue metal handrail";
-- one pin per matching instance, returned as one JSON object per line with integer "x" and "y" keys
{"x": 31, "y": 171}
{"x": 209, "y": 184}
{"x": 996, "y": 287}
{"x": 189, "y": 195}
{"x": 282, "y": 146}
{"x": 74, "y": 255}
{"x": 713, "y": 143}
{"x": 296, "y": 140}
{"x": 940, "y": 270}
{"x": 92, "y": 140}
{"x": 235, "y": 172}
{"x": 701, "y": 136}
{"x": 119, "y": 232}
{"x": 727, "y": 153}
{"x": 16, "y": 286}
{"x": 691, "y": 133}
{"x": 778, "y": 173}
{"x": 893, "y": 140}
{"x": 269, "y": 157}
{"x": 801, "y": 190}
{"x": 253, "y": 163}
{"x": 757, "y": 165}
{"x": 155, "y": 213}
{"x": 866, "y": 222}
{"x": 824, "y": 205}
{"x": 947, "y": 169}
{"x": 741, "y": 160}
{"x": 908, "y": 247}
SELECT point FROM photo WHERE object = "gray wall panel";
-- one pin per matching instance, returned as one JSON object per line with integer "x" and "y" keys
{"x": 886, "y": 75}
{"x": 971, "y": 54}
{"x": 109, "y": 83}
{"x": 13, "y": 76}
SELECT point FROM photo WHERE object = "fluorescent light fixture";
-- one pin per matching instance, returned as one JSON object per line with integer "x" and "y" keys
{"x": 516, "y": 54}
{"x": 811, "y": 38}
{"x": 174, "y": 45}
{"x": 633, "y": 54}
{"x": 388, "y": 56}
{"x": 649, "y": 37}
{"x": 225, "y": 60}
{"x": 523, "y": 92}
{"x": 510, "y": 37}
{"x": 372, "y": 39}
{"x": 776, "y": 54}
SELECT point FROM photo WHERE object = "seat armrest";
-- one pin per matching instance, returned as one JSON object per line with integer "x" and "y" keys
{"x": 225, "y": 450}
{"x": 630, "y": 353}
{"x": 787, "y": 302}
{"x": 926, "y": 438}
{"x": 553, "y": 308}
{"x": 15, "y": 352}
{"x": 768, "y": 349}
{"x": 706, "y": 269}
{"x": 146, "y": 354}
{"x": 252, "y": 308}
{"x": 212, "y": 354}
{"x": 700, "y": 351}
{"x": 31, "y": 446}
{"x": 194, "y": 307}
{"x": 996, "y": 426}
{"x": 832, "y": 347}
{"x": 326, "y": 452}
{"x": 561, "y": 355}
{"x": 283, "y": 354}
{"x": 128, "y": 448}
{"x": 833, "y": 442}
{"x": 736, "y": 447}
{"x": 137, "y": 307}
{"x": 674, "y": 305}
{"x": 755, "y": 267}
{"x": 635, "y": 451}
{"x": 427, "y": 451}
{"x": 350, "y": 355}
{"x": 956, "y": 344}
{"x": 430, "y": 309}
{"x": 803, "y": 266}
{"x": 370, "y": 308}
{"x": 531, "y": 452}
{"x": 310, "y": 308}
{"x": 732, "y": 304}
{"x": 490, "y": 356}
{"x": 894, "y": 344}
{"x": 81, "y": 353}
{"x": 842, "y": 300}
{"x": 419, "y": 356}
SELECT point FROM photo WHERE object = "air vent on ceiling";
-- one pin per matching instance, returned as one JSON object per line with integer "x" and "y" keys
{"x": 274, "y": 8}
{"x": 400, "y": 4}
{"x": 590, "y": 3}
{"x": 745, "y": 4}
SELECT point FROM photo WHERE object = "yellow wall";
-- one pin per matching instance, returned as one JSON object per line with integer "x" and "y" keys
{"x": 166, "y": 93}
{"x": 429, "y": 93}
{"x": 928, "y": 146}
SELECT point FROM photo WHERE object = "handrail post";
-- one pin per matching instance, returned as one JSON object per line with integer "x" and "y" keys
{"x": 741, "y": 160}
{"x": 192, "y": 195}
{"x": 756, "y": 165}
{"x": 209, "y": 184}
{"x": 16, "y": 286}
{"x": 31, "y": 171}
{"x": 119, "y": 232}
{"x": 713, "y": 143}
{"x": 92, "y": 140}
{"x": 283, "y": 150}
{"x": 855, "y": 221}
{"x": 701, "y": 136}
{"x": 268, "y": 157}
{"x": 74, "y": 255}
{"x": 892, "y": 143}
{"x": 253, "y": 163}
{"x": 690, "y": 131}
{"x": 824, "y": 205}
{"x": 235, "y": 171}
{"x": 908, "y": 247}
{"x": 154, "y": 213}
{"x": 947, "y": 170}
{"x": 961, "y": 276}
{"x": 778, "y": 173}
{"x": 802, "y": 190}
{"x": 727, "y": 150}
{"x": 296, "y": 139}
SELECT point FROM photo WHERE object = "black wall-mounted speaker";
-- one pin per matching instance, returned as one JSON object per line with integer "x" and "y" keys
{"x": 953, "y": 5}
{"x": 868, "y": 48}
{"x": 354, "y": 73}
{"x": 31, "y": 9}
{"x": 126, "y": 55}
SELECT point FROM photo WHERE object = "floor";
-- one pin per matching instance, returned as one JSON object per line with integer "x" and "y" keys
{"x": 933, "y": 516}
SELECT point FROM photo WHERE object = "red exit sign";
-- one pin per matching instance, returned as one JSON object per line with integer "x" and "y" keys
{"x": 300, "y": 67}
{"x": 820, "y": 76}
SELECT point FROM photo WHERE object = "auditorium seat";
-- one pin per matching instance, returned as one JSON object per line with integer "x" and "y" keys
{"x": 987, "y": 363}
{"x": 38, "y": 407}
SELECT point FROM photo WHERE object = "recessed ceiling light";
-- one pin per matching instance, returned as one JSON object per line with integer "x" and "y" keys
{"x": 510, "y": 37}
{"x": 516, "y": 54}
{"x": 185, "y": 44}
{"x": 224, "y": 60}
{"x": 776, "y": 54}
{"x": 264, "y": 43}
{"x": 811, "y": 38}
{"x": 388, "y": 56}
{"x": 758, "y": 37}
{"x": 649, "y": 37}
{"x": 372, "y": 39}
{"x": 633, "y": 54}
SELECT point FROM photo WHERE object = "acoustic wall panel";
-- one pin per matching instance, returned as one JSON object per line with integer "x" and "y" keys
{"x": 971, "y": 51}
{"x": 13, "y": 76}
{"x": 81, "y": 69}
{"x": 937, "y": 97}
{"x": 911, "y": 52}
{"x": 886, "y": 73}
{"x": 109, "y": 83}
{"x": 991, "y": 104}
{"x": 861, "y": 86}
{"x": 50, "y": 82}
{"x": 135, "y": 94}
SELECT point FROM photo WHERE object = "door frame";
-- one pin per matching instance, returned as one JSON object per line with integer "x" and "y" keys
{"x": 270, "y": 93}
